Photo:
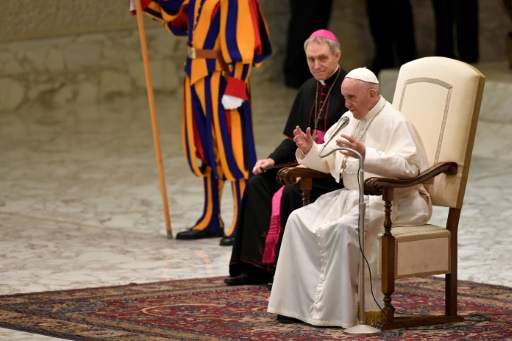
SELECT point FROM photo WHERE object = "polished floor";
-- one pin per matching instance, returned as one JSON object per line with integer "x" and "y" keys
{"x": 81, "y": 205}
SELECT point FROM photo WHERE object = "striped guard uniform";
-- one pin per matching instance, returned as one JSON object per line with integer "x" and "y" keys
{"x": 226, "y": 39}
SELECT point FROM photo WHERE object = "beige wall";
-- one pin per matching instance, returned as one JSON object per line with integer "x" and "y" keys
{"x": 61, "y": 51}
{"x": 28, "y": 19}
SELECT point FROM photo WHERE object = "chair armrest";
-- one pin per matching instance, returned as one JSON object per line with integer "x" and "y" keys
{"x": 373, "y": 186}
{"x": 288, "y": 176}
{"x": 376, "y": 186}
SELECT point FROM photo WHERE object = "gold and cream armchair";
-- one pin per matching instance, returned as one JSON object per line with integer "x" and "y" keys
{"x": 442, "y": 98}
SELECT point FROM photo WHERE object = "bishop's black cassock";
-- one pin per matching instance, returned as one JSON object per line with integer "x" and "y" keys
{"x": 255, "y": 213}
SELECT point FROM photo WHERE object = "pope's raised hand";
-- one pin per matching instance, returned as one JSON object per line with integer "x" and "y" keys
{"x": 303, "y": 140}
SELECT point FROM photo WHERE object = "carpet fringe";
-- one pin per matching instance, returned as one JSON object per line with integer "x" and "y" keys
{"x": 373, "y": 317}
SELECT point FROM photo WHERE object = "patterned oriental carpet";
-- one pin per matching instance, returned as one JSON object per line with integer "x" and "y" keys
{"x": 207, "y": 309}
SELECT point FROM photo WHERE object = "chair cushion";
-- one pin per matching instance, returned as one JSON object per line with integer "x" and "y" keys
{"x": 421, "y": 250}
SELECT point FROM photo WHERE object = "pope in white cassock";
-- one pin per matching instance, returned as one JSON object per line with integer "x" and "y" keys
{"x": 316, "y": 279}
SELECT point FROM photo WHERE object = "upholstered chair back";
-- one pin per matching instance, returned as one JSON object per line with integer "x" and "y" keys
{"x": 442, "y": 98}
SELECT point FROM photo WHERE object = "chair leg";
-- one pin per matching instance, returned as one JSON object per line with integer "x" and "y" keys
{"x": 451, "y": 278}
{"x": 306, "y": 184}
{"x": 388, "y": 278}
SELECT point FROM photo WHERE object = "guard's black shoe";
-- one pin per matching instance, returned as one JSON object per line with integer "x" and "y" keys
{"x": 198, "y": 234}
{"x": 227, "y": 241}
{"x": 286, "y": 319}
{"x": 245, "y": 279}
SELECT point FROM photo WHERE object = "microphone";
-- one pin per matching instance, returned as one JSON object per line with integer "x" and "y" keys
{"x": 342, "y": 123}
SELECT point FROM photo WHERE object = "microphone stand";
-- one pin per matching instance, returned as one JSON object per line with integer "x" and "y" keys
{"x": 361, "y": 328}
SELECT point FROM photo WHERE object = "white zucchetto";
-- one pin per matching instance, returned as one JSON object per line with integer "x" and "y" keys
{"x": 363, "y": 74}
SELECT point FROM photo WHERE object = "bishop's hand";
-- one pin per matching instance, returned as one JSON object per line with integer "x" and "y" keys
{"x": 262, "y": 165}
{"x": 303, "y": 140}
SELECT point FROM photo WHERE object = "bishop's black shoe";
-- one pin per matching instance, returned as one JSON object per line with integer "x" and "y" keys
{"x": 270, "y": 283}
{"x": 245, "y": 278}
{"x": 198, "y": 234}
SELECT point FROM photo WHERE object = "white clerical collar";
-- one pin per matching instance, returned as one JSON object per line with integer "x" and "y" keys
{"x": 375, "y": 110}
{"x": 332, "y": 74}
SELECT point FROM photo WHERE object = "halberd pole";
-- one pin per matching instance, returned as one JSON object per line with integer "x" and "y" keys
{"x": 151, "y": 100}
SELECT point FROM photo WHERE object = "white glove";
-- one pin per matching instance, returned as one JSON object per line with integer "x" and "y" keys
{"x": 231, "y": 102}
